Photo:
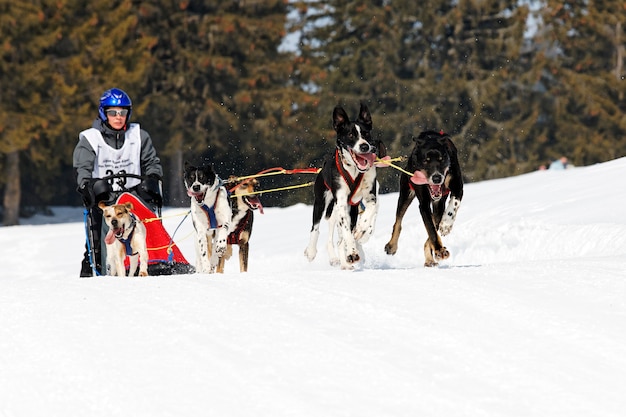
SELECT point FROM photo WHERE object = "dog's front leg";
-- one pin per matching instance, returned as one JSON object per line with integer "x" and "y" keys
{"x": 351, "y": 254}
{"x": 111, "y": 263}
{"x": 244, "y": 251}
{"x": 133, "y": 262}
{"x": 220, "y": 238}
{"x": 330, "y": 242}
{"x": 434, "y": 250}
{"x": 366, "y": 219}
{"x": 323, "y": 198}
{"x": 202, "y": 252}
{"x": 120, "y": 269}
{"x": 143, "y": 261}
{"x": 447, "y": 221}
{"x": 405, "y": 198}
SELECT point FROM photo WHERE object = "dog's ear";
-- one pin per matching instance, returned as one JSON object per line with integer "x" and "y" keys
{"x": 381, "y": 149}
{"x": 102, "y": 205}
{"x": 208, "y": 169}
{"x": 340, "y": 118}
{"x": 421, "y": 138}
{"x": 365, "y": 118}
{"x": 129, "y": 206}
{"x": 210, "y": 173}
{"x": 188, "y": 167}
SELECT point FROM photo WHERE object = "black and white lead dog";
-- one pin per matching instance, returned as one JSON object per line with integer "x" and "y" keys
{"x": 346, "y": 189}
{"x": 211, "y": 214}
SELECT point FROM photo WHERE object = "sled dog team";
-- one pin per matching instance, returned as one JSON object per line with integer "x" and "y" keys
{"x": 345, "y": 193}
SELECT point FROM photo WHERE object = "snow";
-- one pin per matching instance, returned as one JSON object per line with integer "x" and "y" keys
{"x": 527, "y": 317}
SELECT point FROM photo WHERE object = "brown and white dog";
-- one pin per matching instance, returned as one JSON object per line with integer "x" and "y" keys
{"x": 436, "y": 175}
{"x": 211, "y": 215}
{"x": 346, "y": 189}
{"x": 126, "y": 237}
{"x": 246, "y": 201}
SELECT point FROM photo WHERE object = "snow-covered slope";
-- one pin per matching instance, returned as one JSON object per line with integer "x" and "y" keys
{"x": 527, "y": 318}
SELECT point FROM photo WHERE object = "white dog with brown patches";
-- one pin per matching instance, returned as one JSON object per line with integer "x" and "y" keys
{"x": 126, "y": 237}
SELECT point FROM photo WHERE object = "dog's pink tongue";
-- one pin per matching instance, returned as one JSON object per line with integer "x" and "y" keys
{"x": 110, "y": 237}
{"x": 255, "y": 203}
{"x": 419, "y": 178}
{"x": 366, "y": 160}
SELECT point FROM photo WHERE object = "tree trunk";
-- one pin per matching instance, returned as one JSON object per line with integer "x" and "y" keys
{"x": 12, "y": 191}
{"x": 620, "y": 55}
{"x": 176, "y": 190}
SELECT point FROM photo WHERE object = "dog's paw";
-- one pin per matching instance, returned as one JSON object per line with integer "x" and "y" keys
{"x": 445, "y": 227}
{"x": 391, "y": 249}
{"x": 220, "y": 248}
{"x": 204, "y": 268}
{"x": 334, "y": 261}
{"x": 310, "y": 253}
{"x": 353, "y": 258}
{"x": 363, "y": 234}
{"x": 143, "y": 273}
{"x": 442, "y": 254}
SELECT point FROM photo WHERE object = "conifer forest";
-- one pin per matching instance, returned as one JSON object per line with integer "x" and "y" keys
{"x": 248, "y": 85}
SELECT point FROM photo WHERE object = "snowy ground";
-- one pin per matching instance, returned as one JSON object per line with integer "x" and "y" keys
{"x": 527, "y": 318}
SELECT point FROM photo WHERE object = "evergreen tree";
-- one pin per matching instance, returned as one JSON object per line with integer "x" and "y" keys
{"x": 219, "y": 91}
{"x": 583, "y": 54}
{"x": 428, "y": 65}
{"x": 27, "y": 33}
{"x": 57, "y": 58}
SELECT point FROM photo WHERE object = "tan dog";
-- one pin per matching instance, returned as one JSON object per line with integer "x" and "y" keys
{"x": 126, "y": 237}
{"x": 246, "y": 202}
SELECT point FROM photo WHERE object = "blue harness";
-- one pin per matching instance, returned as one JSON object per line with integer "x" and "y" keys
{"x": 210, "y": 212}
{"x": 126, "y": 242}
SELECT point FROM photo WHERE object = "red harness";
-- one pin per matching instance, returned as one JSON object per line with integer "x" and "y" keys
{"x": 352, "y": 183}
{"x": 235, "y": 235}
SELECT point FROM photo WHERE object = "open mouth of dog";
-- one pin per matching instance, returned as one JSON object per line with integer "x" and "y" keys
{"x": 363, "y": 161}
{"x": 436, "y": 190}
{"x": 198, "y": 195}
{"x": 253, "y": 202}
{"x": 113, "y": 234}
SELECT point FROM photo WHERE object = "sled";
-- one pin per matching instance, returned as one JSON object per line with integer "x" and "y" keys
{"x": 165, "y": 258}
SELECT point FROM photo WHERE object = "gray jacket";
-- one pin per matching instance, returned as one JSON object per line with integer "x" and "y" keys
{"x": 84, "y": 156}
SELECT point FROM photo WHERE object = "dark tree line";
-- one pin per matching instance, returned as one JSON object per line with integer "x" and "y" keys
{"x": 210, "y": 83}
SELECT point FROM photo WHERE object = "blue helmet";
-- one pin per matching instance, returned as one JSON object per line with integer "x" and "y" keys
{"x": 114, "y": 97}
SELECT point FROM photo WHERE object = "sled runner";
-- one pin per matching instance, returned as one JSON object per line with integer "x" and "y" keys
{"x": 165, "y": 258}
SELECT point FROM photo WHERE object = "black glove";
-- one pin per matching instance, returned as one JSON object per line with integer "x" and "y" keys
{"x": 86, "y": 193}
{"x": 150, "y": 190}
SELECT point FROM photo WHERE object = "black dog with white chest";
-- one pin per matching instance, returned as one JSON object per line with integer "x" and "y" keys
{"x": 437, "y": 175}
{"x": 346, "y": 189}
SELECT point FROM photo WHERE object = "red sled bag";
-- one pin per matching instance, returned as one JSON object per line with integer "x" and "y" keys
{"x": 165, "y": 256}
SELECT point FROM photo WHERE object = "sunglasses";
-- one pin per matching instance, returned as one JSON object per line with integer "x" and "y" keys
{"x": 113, "y": 113}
